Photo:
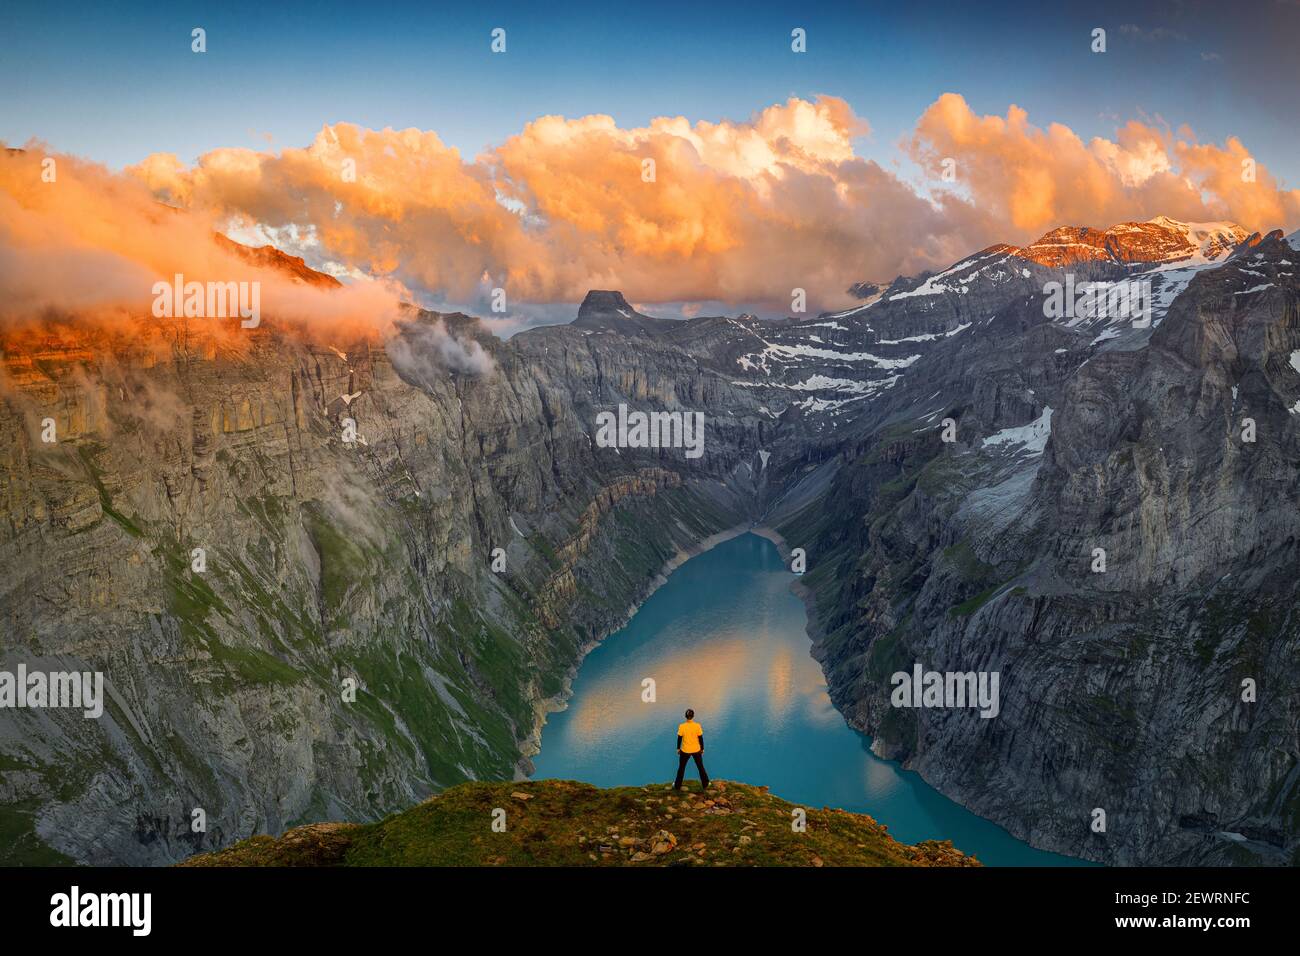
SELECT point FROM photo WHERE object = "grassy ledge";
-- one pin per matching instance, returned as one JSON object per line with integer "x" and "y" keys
{"x": 565, "y": 823}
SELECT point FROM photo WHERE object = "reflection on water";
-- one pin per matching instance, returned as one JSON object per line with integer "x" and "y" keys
{"x": 726, "y": 637}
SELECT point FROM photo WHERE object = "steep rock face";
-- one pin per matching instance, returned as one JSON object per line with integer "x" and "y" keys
{"x": 326, "y": 561}
{"x": 1121, "y": 690}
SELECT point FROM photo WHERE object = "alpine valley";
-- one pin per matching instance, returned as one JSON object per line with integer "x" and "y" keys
{"x": 371, "y": 561}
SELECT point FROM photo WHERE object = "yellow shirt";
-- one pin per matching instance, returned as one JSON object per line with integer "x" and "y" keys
{"x": 690, "y": 732}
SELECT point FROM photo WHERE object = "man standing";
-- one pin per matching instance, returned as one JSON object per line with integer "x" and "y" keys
{"x": 690, "y": 743}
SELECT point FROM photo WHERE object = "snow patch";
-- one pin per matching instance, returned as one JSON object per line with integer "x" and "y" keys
{"x": 928, "y": 336}
{"x": 826, "y": 383}
{"x": 1033, "y": 436}
{"x": 867, "y": 303}
{"x": 808, "y": 351}
{"x": 824, "y": 404}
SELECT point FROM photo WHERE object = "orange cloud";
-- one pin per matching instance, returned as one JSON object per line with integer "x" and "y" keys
{"x": 734, "y": 211}
{"x": 1259, "y": 203}
{"x": 413, "y": 204}
{"x": 1027, "y": 180}
{"x": 91, "y": 243}
{"x": 740, "y": 212}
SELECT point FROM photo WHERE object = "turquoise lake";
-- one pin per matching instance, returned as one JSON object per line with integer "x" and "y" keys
{"x": 725, "y": 636}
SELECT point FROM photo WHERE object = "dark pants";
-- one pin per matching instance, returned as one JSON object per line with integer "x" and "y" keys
{"x": 699, "y": 765}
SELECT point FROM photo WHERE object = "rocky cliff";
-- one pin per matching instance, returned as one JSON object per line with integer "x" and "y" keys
{"x": 327, "y": 563}
{"x": 1113, "y": 531}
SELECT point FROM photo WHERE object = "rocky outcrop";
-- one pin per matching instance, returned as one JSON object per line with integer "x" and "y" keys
{"x": 1159, "y": 240}
{"x": 564, "y": 823}
{"x": 609, "y": 311}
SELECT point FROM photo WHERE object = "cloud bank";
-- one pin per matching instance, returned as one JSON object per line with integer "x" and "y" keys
{"x": 739, "y": 212}
{"x": 1027, "y": 180}
{"x": 79, "y": 241}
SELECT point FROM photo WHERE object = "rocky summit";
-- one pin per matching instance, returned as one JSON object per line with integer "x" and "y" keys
{"x": 300, "y": 621}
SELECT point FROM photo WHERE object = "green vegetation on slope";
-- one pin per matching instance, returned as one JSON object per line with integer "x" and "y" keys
{"x": 19, "y": 843}
{"x": 564, "y": 823}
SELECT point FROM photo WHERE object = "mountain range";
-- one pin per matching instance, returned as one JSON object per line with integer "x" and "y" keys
{"x": 374, "y": 562}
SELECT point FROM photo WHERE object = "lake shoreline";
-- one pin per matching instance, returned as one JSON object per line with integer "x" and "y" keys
{"x": 531, "y": 745}
{"x": 730, "y": 637}
{"x": 543, "y": 707}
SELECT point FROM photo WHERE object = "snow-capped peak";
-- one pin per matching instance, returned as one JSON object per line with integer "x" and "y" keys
{"x": 1212, "y": 240}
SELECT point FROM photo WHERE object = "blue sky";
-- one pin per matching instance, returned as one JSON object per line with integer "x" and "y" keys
{"x": 115, "y": 82}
